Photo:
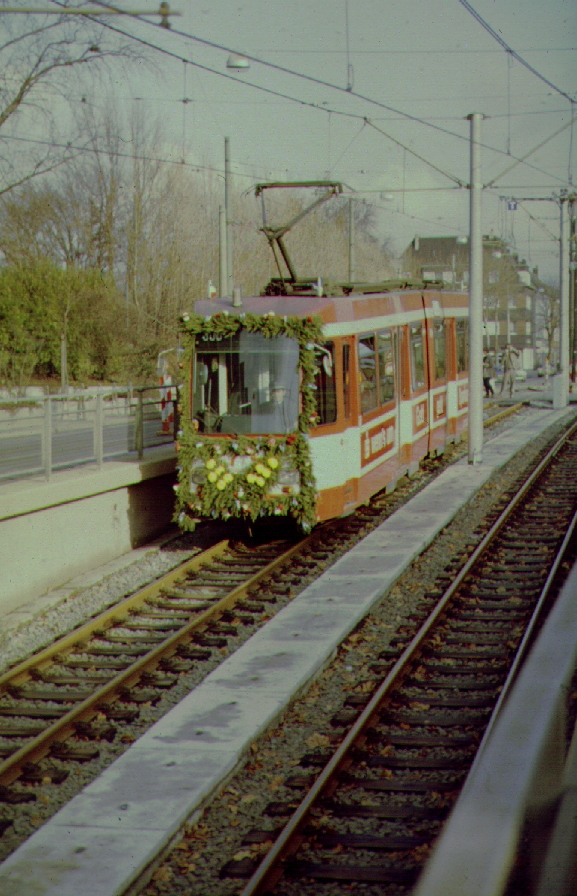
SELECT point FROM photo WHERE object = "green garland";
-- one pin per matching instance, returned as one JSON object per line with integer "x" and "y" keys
{"x": 211, "y": 481}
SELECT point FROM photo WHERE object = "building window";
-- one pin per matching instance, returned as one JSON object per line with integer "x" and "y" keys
{"x": 417, "y": 357}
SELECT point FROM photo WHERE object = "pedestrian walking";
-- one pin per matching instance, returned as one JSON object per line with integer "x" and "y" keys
{"x": 509, "y": 369}
{"x": 488, "y": 374}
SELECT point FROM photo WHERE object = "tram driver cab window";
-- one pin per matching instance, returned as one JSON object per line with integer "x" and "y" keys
{"x": 246, "y": 383}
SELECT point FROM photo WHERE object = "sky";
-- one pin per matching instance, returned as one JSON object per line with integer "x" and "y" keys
{"x": 417, "y": 69}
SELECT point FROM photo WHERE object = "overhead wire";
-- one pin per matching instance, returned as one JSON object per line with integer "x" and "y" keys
{"x": 348, "y": 90}
{"x": 538, "y": 223}
{"x": 512, "y": 52}
{"x": 126, "y": 155}
{"x": 343, "y": 154}
{"x": 284, "y": 70}
{"x": 412, "y": 151}
{"x": 531, "y": 151}
{"x": 301, "y": 102}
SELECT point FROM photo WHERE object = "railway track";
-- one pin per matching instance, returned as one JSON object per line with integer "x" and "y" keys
{"x": 86, "y": 688}
{"x": 60, "y": 702}
{"x": 378, "y": 804}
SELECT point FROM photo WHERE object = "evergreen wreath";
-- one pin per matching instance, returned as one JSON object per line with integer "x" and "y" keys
{"x": 223, "y": 488}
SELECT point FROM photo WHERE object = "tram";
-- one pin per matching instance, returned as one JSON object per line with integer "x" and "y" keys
{"x": 305, "y": 401}
{"x": 306, "y": 405}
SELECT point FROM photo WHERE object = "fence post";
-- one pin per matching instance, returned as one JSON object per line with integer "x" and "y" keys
{"x": 176, "y": 406}
{"x": 139, "y": 426}
{"x": 47, "y": 438}
{"x": 99, "y": 431}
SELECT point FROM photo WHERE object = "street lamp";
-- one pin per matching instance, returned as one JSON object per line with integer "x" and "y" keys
{"x": 235, "y": 60}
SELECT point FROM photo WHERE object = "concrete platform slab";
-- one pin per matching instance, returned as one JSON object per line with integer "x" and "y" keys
{"x": 88, "y": 861}
{"x": 117, "y": 802}
{"x": 80, "y": 519}
{"x": 210, "y": 730}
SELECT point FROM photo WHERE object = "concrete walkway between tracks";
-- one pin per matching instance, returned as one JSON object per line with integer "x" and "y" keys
{"x": 101, "y": 841}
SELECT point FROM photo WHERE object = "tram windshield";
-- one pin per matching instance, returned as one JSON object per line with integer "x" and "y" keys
{"x": 246, "y": 384}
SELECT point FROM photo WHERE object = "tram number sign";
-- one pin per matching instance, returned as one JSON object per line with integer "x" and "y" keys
{"x": 377, "y": 441}
{"x": 463, "y": 396}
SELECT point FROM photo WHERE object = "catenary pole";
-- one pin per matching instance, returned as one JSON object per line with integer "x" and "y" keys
{"x": 475, "y": 298}
{"x": 227, "y": 208}
{"x": 222, "y": 274}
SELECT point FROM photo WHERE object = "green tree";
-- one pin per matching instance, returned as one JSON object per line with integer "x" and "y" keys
{"x": 40, "y": 302}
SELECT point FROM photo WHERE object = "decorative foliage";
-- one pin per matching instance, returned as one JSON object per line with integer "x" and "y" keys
{"x": 249, "y": 476}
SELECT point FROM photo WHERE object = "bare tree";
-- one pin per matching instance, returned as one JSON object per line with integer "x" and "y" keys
{"x": 547, "y": 312}
{"x": 42, "y": 63}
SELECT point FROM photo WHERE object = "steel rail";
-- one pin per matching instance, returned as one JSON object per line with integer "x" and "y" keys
{"x": 270, "y": 870}
{"x": 63, "y": 727}
{"x": 502, "y": 415}
{"x": 113, "y": 615}
{"x": 526, "y": 642}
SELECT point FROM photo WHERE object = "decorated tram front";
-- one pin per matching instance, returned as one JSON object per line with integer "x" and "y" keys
{"x": 247, "y": 410}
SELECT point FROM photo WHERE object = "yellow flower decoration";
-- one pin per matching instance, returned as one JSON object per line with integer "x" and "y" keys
{"x": 211, "y": 463}
{"x": 228, "y": 477}
{"x": 212, "y": 477}
{"x": 250, "y": 477}
{"x": 272, "y": 462}
{"x": 219, "y": 471}
{"x": 221, "y": 484}
{"x": 260, "y": 469}
{"x": 266, "y": 473}
{"x": 260, "y": 481}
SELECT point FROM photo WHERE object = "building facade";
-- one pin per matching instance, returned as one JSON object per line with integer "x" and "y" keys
{"x": 517, "y": 308}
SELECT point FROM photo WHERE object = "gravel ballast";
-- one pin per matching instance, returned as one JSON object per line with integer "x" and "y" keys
{"x": 378, "y": 630}
{"x": 215, "y": 836}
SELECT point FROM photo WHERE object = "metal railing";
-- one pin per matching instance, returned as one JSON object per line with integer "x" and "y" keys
{"x": 44, "y": 433}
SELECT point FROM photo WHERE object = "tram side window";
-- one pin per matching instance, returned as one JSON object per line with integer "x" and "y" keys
{"x": 417, "y": 357}
{"x": 368, "y": 372}
{"x": 386, "y": 366}
{"x": 347, "y": 379}
{"x": 326, "y": 383}
{"x": 440, "y": 351}
{"x": 462, "y": 347}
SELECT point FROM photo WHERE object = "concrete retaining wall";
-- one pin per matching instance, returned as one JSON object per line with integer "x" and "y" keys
{"x": 52, "y": 531}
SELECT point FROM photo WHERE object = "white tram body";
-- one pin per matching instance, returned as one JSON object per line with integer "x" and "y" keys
{"x": 389, "y": 382}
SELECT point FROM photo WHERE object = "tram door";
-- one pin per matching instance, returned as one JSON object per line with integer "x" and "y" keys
{"x": 404, "y": 404}
{"x": 437, "y": 345}
{"x": 347, "y": 447}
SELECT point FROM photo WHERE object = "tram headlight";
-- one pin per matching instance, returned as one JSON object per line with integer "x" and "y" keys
{"x": 289, "y": 476}
{"x": 198, "y": 475}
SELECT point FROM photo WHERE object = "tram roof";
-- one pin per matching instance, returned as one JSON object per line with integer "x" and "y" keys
{"x": 339, "y": 309}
